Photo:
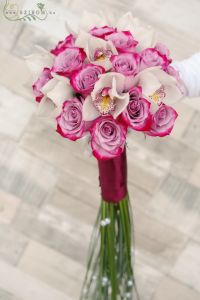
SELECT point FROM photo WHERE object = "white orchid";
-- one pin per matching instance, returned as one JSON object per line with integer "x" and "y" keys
{"x": 157, "y": 86}
{"x": 55, "y": 91}
{"x": 98, "y": 51}
{"x": 107, "y": 97}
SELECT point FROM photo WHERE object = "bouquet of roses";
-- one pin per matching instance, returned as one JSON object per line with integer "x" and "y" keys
{"x": 103, "y": 82}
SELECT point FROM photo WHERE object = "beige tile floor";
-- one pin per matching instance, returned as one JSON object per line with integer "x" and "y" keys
{"x": 48, "y": 189}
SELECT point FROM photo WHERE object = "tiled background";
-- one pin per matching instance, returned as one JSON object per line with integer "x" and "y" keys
{"x": 48, "y": 188}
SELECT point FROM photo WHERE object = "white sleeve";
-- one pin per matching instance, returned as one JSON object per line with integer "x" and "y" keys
{"x": 189, "y": 70}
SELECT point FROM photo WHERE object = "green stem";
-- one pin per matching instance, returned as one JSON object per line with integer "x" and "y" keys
{"x": 111, "y": 250}
{"x": 110, "y": 255}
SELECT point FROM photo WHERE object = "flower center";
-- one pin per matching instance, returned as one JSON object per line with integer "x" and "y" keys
{"x": 103, "y": 102}
{"x": 158, "y": 95}
{"x": 101, "y": 54}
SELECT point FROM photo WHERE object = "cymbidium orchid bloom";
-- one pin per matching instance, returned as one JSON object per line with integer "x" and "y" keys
{"x": 157, "y": 86}
{"x": 98, "y": 50}
{"x": 107, "y": 97}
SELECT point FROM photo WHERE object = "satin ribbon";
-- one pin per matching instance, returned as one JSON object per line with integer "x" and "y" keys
{"x": 113, "y": 178}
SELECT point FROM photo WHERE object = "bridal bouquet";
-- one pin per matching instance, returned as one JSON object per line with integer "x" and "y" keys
{"x": 103, "y": 82}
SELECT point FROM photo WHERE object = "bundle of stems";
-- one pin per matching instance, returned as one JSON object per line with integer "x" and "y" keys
{"x": 110, "y": 273}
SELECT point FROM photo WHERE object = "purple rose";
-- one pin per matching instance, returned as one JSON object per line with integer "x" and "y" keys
{"x": 83, "y": 81}
{"x": 126, "y": 63}
{"x": 162, "y": 121}
{"x": 70, "y": 123}
{"x": 122, "y": 40}
{"x": 137, "y": 113}
{"x": 69, "y": 60}
{"x": 107, "y": 138}
{"x": 62, "y": 45}
{"x": 44, "y": 77}
{"x": 101, "y": 32}
{"x": 150, "y": 57}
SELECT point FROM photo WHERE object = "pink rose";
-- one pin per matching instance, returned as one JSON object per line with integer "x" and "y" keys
{"x": 126, "y": 63}
{"x": 107, "y": 138}
{"x": 44, "y": 77}
{"x": 122, "y": 40}
{"x": 83, "y": 81}
{"x": 162, "y": 49}
{"x": 69, "y": 60}
{"x": 150, "y": 57}
{"x": 101, "y": 32}
{"x": 162, "y": 121}
{"x": 70, "y": 123}
{"x": 137, "y": 113}
{"x": 62, "y": 45}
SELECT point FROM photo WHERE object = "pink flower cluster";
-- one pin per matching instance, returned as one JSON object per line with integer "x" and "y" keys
{"x": 108, "y": 100}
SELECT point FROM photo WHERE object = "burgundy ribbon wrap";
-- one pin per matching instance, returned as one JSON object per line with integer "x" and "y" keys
{"x": 113, "y": 178}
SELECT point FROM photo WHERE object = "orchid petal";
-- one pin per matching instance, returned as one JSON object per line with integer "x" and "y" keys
{"x": 89, "y": 110}
{"x": 106, "y": 80}
{"x": 144, "y": 34}
{"x": 149, "y": 83}
{"x": 38, "y": 60}
{"x": 82, "y": 39}
{"x": 89, "y": 19}
{"x": 58, "y": 91}
{"x": 60, "y": 78}
{"x": 46, "y": 107}
{"x": 121, "y": 100}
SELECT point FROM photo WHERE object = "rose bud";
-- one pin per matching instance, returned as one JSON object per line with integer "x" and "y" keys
{"x": 62, "y": 45}
{"x": 44, "y": 77}
{"x": 126, "y": 63}
{"x": 123, "y": 41}
{"x": 107, "y": 138}
{"x": 83, "y": 81}
{"x": 163, "y": 121}
{"x": 69, "y": 60}
{"x": 70, "y": 123}
{"x": 137, "y": 113}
